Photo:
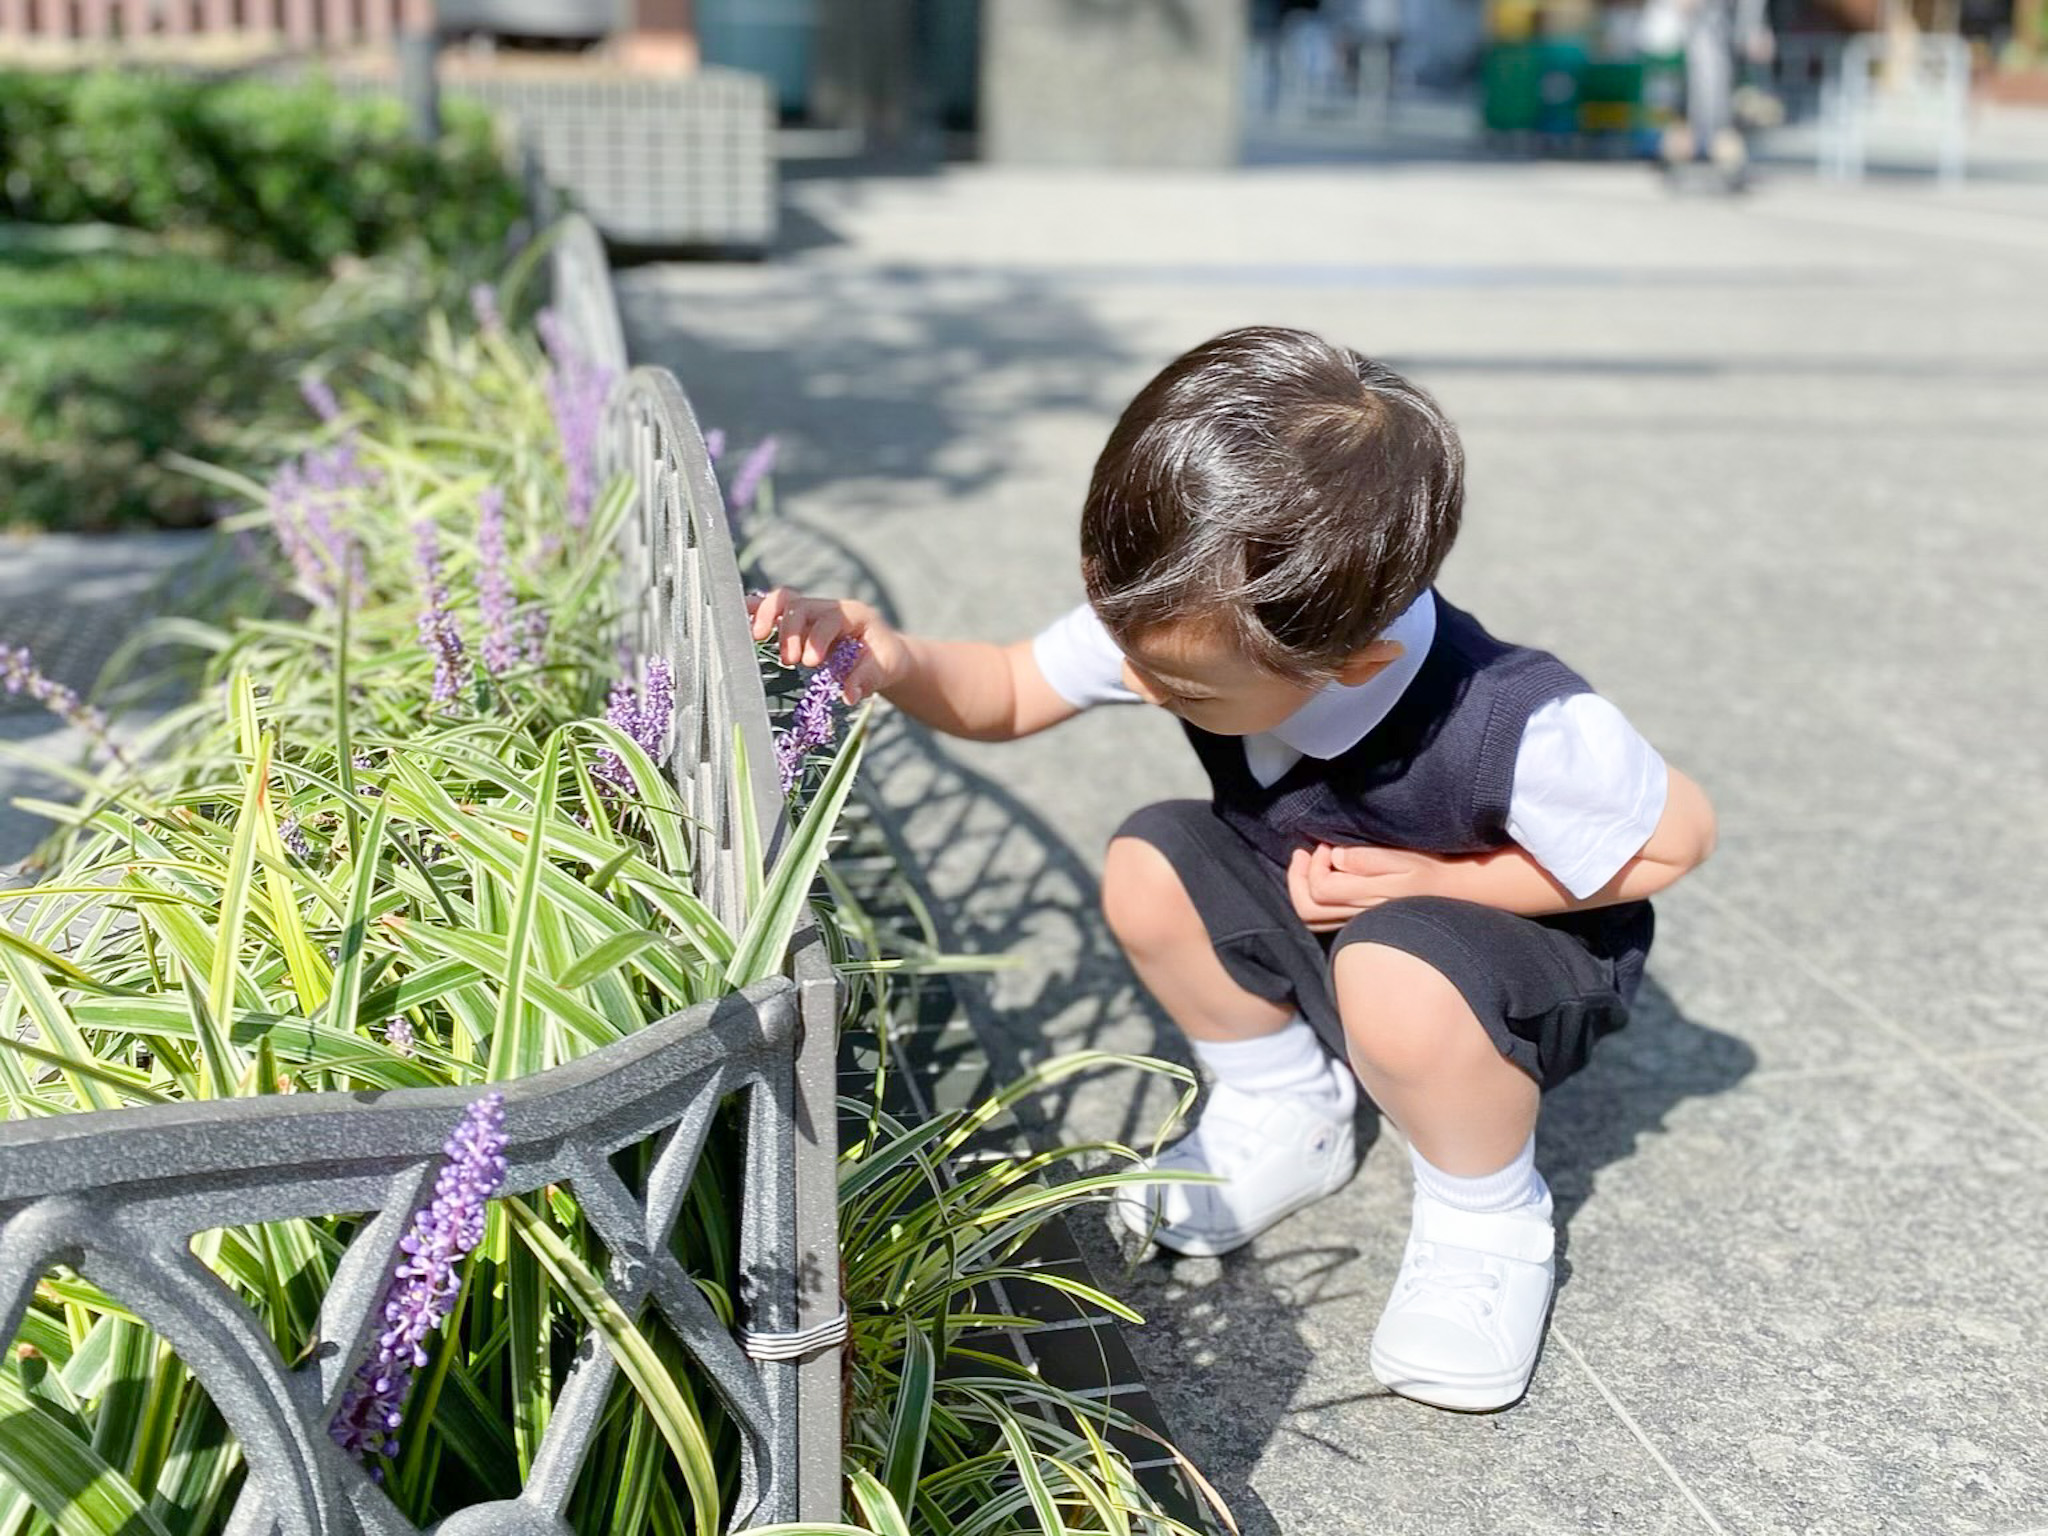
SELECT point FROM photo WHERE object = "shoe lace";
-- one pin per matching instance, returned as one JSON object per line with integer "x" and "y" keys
{"x": 1476, "y": 1288}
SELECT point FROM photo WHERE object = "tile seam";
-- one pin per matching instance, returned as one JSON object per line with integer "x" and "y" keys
{"x": 1636, "y": 1429}
{"x": 1872, "y": 1013}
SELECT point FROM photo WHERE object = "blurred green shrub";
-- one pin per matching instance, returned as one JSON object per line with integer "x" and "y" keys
{"x": 293, "y": 171}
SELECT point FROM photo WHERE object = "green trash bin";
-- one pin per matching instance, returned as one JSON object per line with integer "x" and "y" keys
{"x": 1610, "y": 99}
{"x": 1508, "y": 79}
{"x": 1560, "y": 62}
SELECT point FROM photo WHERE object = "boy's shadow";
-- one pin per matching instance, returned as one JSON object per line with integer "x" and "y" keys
{"x": 1224, "y": 1348}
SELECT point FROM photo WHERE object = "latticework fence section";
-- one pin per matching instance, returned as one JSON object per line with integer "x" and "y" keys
{"x": 295, "y": 24}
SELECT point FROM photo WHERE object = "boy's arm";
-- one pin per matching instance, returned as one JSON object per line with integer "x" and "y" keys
{"x": 1334, "y": 883}
{"x": 980, "y": 691}
{"x": 962, "y": 688}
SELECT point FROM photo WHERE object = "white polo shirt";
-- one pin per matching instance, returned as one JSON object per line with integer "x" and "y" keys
{"x": 1588, "y": 789}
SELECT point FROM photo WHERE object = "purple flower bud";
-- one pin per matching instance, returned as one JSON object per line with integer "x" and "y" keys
{"x": 646, "y": 720}
{"x": 437, "y": 629}
{"x": 714, "y": 443}
{"x": 398, "y": 1034}
{"x": 493, "y": 585}
{"x": 295, "y": 840}
{"x": 756, "y": 467}
{"x": 577, "y": 389}
{"x": 305, "y": 493}
{"x": 319, "y": 397}
{"x": 810, "y": 722}
{"x": 425, "y": 1283}
{"x": 19, "y": 674}
{"x": 536, "y": 636}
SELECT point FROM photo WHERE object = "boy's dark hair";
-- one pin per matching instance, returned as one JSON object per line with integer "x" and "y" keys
{"x": 1296, "y": 492}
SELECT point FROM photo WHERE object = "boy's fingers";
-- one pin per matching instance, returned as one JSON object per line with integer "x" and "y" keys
{"x": 860, "y": 682}
{"x": 768, "y": 609}
{"x": 818, "y": 643}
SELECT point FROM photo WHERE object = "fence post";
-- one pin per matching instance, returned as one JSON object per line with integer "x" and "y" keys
{"x": 417, "y": 84}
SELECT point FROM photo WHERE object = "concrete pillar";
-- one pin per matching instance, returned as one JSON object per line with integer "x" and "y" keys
{"x": 1113, "y": 82}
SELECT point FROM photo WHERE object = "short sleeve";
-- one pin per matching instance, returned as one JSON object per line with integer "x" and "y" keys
{"x": 1589, "y": 791}
{"x": 1081, "y": 662}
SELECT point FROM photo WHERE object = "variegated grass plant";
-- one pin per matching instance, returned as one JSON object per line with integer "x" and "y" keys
{"x": 408, "y": 834}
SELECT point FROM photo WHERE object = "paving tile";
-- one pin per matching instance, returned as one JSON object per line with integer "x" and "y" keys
{"x": 1943, "y": 938}
{"x": 1822, "y": 1302}
{"x": 1260, "y": 1363}
{"x": 2019, "y": 1080}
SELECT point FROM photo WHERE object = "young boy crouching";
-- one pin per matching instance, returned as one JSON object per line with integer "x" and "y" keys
{"x": 1425, "y": 863}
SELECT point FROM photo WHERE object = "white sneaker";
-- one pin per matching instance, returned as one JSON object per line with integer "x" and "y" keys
{"x": 1276, "y": 1152}
{"x": 1466, "y": 1318}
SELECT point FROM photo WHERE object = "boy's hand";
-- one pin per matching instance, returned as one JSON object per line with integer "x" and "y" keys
{"x": 811, "y": 626}
{"x": 1331, "y": 885}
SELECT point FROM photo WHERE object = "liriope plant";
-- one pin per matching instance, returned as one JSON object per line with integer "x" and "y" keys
{"x": 411, "y": 831}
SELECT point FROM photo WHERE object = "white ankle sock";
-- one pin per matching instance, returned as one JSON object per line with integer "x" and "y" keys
{"x": 1490, "y": 1194}
{"x": 1290, "y": 1061}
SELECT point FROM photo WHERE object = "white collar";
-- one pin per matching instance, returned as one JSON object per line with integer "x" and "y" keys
{"x": 1338, "y": 718}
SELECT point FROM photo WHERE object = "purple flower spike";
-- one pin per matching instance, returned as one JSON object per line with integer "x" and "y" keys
{"x": 577, "y": 389}
{"x": 493, "y": 586}
{"x": 536, "y": 636}
{"x": 295, "y": 840}
{"x": 645, "y": 719}
{"x": 425, "y": 1283}
{"x": 437, "y": 625}
{"x": 19, "y": 674}
{"x": 305, "y": 493}
{"x": 483, "y": 303}
{"x": 398, "y": 1034}
{"x": 810, "y": 723}
{"x": 319, "y": 397}
{"x": 757, "y": 466}
{"x": 714, "y": 443}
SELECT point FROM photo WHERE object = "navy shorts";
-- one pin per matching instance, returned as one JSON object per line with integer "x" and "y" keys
{"x": 1544, "y": 988}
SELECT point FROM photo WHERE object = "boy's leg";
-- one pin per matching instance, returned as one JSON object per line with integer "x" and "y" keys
{"x": 1278, "y": 1123}
{"x": 1154, "y": 919}
{"x": 1454, "y": 1016}
{"x": 1429, "y": 1063}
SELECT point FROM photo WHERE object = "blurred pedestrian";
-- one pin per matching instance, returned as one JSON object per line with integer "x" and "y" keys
{"x": 1710, "y": 33}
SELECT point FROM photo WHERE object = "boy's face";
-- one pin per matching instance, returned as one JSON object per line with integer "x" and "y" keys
{"x": 1195, "y": 672}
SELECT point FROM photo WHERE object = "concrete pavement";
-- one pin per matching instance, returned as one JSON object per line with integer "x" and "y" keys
{"x": 1770, "y": 472}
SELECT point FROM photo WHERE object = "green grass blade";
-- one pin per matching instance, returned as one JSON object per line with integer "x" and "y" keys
{"x": 787, "y": 898}
{"x": 608, "y": 956}
{"x": 72, "y": 1484}
{"x": 673, "y": 1416}
{"x": 1026, "y": 1459}
{"x": 878, "y": 1506}
{"x": 54, "y": 1020}
{"x": 345, "y": 1000}
{"x": 912, "y": 1420}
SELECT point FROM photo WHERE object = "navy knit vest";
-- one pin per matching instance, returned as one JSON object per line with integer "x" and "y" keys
{"x": 1434, "y": 776}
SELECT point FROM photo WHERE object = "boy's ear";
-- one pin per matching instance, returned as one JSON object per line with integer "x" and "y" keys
{"x": 1364, "y": 664}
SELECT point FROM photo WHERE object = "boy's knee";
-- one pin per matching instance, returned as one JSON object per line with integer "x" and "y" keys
{"x": 1403, "y": 1018}
{"x": 1143, "y": 900}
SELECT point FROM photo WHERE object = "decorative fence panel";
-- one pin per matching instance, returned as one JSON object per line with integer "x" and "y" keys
{"x": 296, "y": 24}
{"x": 118, "y": 1195}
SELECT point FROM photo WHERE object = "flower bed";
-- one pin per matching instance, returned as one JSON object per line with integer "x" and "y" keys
{"x": 418, "y": 832}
